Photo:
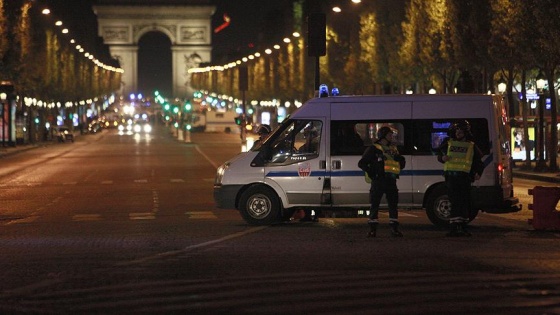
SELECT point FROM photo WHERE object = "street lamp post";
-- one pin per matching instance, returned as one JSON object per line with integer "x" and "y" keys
{"x": 541, "y": 162}
{"x": 3, "y": 100}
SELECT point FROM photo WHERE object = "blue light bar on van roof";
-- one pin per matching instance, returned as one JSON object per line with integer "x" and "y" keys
{"x": 335, "y": 92}
{"x": 323, "y": 90}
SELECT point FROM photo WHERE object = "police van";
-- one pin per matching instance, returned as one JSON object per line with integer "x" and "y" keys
{"x": 308, "y": 162}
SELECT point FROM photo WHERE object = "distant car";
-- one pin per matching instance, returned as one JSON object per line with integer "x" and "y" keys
{"x": 94, "y": 127}
{"x": 65, "y": 134}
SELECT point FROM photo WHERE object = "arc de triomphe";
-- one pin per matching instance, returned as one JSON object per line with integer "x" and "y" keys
{"x": 187, "y": 27}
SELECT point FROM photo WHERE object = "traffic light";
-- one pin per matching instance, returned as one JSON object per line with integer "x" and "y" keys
{"x": 188, "y": 106}
{"x": 238, "y": 120}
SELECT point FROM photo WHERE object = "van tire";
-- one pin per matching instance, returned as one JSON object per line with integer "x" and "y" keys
{"x": 260, "y": 205}
{"x": 438, "y": 207}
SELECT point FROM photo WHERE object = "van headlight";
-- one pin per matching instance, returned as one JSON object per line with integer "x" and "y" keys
{"x": 220, "y": 174}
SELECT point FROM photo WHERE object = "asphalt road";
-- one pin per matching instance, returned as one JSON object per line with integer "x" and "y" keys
{"x": 117, "y": 224}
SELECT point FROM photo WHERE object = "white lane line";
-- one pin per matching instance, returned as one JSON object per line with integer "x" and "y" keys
{"x": 141, "y": 216}
{"x": 86, "y": 217}
{"x": 177, "y": 180}
{"x": 24, "y": 220}
{"x": 201, "y": 215}
{"x": 141, "y": 181}
{"x": 189, "y": 248}
{"x": 206, "y": 157}
{"x": 107, "y": 182}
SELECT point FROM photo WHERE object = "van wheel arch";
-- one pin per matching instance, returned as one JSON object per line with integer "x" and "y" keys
{"x": 438, "y": 206}
{"x": 260, "y": 205}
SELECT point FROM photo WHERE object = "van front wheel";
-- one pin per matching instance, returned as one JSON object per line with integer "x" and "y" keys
{"x": 259, "y": 206}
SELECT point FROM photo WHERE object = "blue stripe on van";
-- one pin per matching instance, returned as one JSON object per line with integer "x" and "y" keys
{"x": 353, "y": 173}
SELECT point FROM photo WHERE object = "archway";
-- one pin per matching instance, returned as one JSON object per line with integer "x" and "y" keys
{"x": 155, "y": 64}
{"x": 188, "y": 28}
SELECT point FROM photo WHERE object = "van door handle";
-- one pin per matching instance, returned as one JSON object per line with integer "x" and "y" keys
{"x": 323, "y": 164}
{"x": 336, "y": 164}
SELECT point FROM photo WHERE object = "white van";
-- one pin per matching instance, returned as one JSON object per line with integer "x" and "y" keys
{"x": 272, "y": 180}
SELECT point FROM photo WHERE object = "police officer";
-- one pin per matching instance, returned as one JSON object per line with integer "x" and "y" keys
{"x": 462, "y": 165}
{"x": 263, "y": 132}
{"x": 383, "y": 163}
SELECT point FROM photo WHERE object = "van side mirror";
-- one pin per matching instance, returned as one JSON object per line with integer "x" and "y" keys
{"x": 264, "y": 155}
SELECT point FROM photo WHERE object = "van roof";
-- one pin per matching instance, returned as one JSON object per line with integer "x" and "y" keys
{"x": 404, "y": 97}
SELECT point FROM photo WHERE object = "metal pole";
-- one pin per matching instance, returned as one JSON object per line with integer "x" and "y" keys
{"x": 317, "y": 75}
{"x": 3, "y": 124}
{"x": 244, "y": 121}
{"x": 541, "y": 162}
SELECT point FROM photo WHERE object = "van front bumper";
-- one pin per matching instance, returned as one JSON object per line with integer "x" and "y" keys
{"x": 225, "y": 197}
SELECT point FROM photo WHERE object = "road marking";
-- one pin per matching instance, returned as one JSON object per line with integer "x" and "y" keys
{"x": 177, "y": 180}
{"x": 201, "y": 215}
{"x": 141, "y": 181}
{"x": 189, "y": 248}
{"x": 107, "y": 182}
{"x": 141, "y": 216}
{"x": 70, "y": 183}
{"x": 24, "y": 220}
{"x": 87, "y": 217}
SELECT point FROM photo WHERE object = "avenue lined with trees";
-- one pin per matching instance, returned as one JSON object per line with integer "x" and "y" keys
{"x": 411, "y": 46}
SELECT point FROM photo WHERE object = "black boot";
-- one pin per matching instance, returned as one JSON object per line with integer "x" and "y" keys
{"x": 458, "y": 230}
{"x": 372, "y": 229}
{"x": 464, "y": 230}
{"x": 454, "y": 230}
{"x": 395, "y": 229}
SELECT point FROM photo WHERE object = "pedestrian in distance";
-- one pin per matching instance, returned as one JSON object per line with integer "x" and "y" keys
{"x": 463, "y": 165}
{"x": 382, "y": 165}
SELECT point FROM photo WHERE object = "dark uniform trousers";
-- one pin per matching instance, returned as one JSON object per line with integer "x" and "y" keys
{"x": 459, "y": 192}
{"x": 385, "y": 185}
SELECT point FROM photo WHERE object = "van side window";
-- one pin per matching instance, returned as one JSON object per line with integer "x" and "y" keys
{"x": 428, "y": 134}
{"x": 299, "y": 140}
{"x": 347, "y": 137}
{"x": 397, "y": 127}
{"x": 353, "y": 137}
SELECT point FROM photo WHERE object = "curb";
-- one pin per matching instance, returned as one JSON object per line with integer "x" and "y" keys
{"x": 550, "y": 177}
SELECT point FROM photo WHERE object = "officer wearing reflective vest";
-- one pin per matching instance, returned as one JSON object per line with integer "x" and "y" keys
{"x": 462, "y": 165}
{"x": 382, "y": 164}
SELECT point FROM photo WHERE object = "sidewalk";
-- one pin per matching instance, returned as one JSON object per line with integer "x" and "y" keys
{"x": 546, "y": 176}
{"x": 11, "y": 150}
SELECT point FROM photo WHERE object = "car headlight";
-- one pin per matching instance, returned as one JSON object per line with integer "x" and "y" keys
{"x": 220, "y": 174}
{"x": 147, "y": 128}
{"x": 137, "y": 128}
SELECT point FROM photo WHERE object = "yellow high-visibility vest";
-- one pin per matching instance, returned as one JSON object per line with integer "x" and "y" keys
{"x": 461, "y": 154}
{"x": 391, "y": 166}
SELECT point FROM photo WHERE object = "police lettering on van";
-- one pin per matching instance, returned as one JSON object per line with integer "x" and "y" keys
{"x": 307, "y": 163}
